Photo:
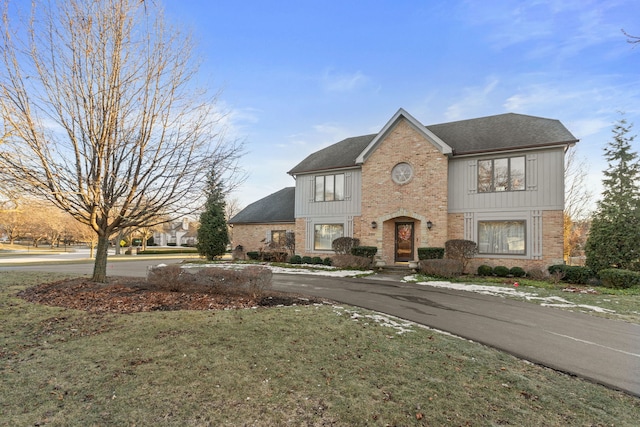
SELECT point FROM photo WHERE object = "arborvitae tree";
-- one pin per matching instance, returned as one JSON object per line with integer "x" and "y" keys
{"x": 614, "y": 238}
{"x": 213, "y": 236}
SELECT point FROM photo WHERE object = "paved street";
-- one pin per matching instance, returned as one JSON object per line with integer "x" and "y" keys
{"x": 601, "y": 350}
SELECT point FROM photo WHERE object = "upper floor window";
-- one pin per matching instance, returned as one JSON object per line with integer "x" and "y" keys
{"x": 506, "y": 174}
{"x": 329, "y": 188}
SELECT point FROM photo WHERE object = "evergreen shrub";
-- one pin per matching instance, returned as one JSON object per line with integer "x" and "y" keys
{"x": 430, "y": 253}
{"x": 501, "y": 271}
{"x": 364, "y": 251}
{"x": 517, "y": 272}
{"x": 485, "y": 270}
{"x": 618, "y": 278}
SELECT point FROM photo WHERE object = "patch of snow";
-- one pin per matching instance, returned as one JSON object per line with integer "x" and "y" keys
{"x": 552, "y": 301}
{"x": 317, "y": 270}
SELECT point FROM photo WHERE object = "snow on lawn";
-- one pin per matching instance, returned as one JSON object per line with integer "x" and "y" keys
{"x": 552, "y": 301}
{"x": 318, "y": 270}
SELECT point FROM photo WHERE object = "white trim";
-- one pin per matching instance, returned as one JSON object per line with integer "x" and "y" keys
{"x": 419, "y": 127}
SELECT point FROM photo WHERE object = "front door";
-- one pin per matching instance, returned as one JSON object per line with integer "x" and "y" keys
{"x": 404, "y": 241}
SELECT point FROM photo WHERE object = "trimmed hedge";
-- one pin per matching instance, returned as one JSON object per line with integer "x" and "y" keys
{"x": 364, "y": 251}
{"x": 485, "y": 270}
{"x": 430, "y": 253}
{"x": 316, "y": 260}
{"x": 307, "y": 260}
{"x": 572, "y": 273}
{"x": 501, "y": 271}
{"x": 618, "y": 278}
{"x": 327, "y": 261}
{"x": 517, "y": 272}
{"x": 295, "y": 259}
{"x": 254, "y": 255}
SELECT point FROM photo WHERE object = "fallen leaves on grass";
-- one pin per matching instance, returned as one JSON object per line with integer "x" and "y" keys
{"x": 130, "y": 295}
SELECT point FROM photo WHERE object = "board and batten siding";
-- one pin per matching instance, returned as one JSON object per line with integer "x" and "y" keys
{"x": 544, "y": 184}
{"x": 306, "y": 206}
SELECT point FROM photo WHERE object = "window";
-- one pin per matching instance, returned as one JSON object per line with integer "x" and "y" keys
{"x": 501, "y": 174}
{"x": 278, "y": 237}
{"x": 329, "y": 188}
{"x": 325, "y": 234}
{"x": 501, "y": 237}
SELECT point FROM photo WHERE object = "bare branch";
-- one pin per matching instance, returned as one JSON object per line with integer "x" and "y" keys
{"x": 102, "y": 117}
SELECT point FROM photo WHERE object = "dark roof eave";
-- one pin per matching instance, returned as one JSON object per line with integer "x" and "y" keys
{"x": 517, "y": 148}
{"x": 280, "y": 221}
{"x": 354, "y": 166}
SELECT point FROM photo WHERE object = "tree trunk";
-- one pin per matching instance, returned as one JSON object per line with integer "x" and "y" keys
{"x": 100, "y": 265}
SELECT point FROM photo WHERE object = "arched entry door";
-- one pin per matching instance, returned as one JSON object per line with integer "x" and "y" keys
{"x": 404, "y": 241}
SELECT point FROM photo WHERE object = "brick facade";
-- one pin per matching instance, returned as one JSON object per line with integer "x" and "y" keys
{"x": 422, "y": 199}
{"x": 252, "y": 237}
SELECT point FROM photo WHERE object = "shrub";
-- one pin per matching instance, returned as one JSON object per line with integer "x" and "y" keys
{"x": 430, "y": 253}
{"x": 352, "y": 261}
{"x": 446, "y": 268}
{"x": 254, "y": 255}
{"x": 252, "y": 280}
{"x": 517, "y": 272}
{"x": 485, "y": 270}
{"x": 170, "y": 278}
{"x": 618, "y": 278}
{"x": 316, "y": 260}
{"x": 307, "y": 260}
{"x": 501, "y": 271}
{"x": 571, "y": 273}
{"x": 295, "y": 259}
{"x": 344, "y": 245}
{"x": 461, "y": 250}
{"x": 327, "y": 261}
{"x": 364, "y": 251}
{"x": 536, "y": 274}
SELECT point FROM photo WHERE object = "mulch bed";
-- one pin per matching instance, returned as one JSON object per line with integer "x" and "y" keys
{"x": 133, "y": 294}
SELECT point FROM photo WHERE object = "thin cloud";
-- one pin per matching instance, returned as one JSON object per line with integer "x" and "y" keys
{"x": 343, "y": 82}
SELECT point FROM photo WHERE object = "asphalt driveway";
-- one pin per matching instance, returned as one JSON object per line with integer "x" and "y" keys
{"x": 597, "y": 349}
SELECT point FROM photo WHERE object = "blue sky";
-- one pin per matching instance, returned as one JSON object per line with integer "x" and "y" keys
{"x": 297, "y": 76}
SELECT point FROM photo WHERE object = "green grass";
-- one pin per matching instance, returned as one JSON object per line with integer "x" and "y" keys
{"x": 305, "y": 365}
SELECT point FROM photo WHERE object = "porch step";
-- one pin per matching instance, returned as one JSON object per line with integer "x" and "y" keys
{"x": 395, "y": 269}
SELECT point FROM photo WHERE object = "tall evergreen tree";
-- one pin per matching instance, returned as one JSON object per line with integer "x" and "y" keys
{"x": 614, "y": 238}
{"x": 213, "y": 236}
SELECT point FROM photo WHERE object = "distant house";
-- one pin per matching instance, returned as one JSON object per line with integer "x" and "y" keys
{"x": 496, "y": 180}
{"x": 177, "y": 233}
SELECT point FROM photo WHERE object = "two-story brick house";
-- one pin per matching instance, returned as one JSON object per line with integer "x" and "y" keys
{"x": 496, "y": 180}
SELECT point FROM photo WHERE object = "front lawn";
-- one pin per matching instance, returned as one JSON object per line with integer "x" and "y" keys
{"x": 301, "y": 365}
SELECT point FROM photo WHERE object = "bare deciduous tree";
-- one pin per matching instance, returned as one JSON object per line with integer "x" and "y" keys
{"x": 577, "y": 204}
{"x": 101, "y": 115}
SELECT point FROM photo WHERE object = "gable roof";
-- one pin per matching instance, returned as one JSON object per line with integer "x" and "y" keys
{"x": 419, "y": 127}
{"x": 276, "y": 207}
{"x": 501, "y": 132}
{"x": 508, "y": 131}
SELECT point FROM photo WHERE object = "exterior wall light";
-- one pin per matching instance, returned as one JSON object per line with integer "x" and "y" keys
{"x": 429, "y": 225}
{"x": 374, "y": 224}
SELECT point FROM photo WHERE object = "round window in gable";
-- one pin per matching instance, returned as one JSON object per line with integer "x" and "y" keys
{"x": 402, "y": 173}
